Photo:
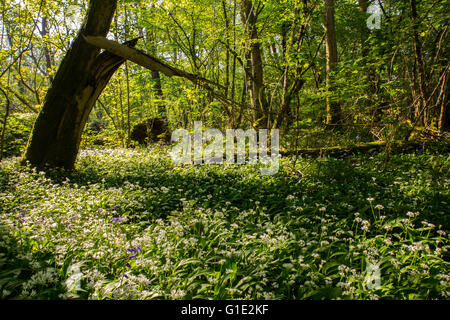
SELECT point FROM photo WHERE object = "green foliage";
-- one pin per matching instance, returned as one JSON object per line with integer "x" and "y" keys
{"x": 135, "y": 227}
{"x": 18, "y": 130}
{"x": 129, "y": 225}
{"x": 374, "y": 80}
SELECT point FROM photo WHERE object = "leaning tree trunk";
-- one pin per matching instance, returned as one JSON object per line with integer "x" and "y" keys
{"x": 80, "y": 79}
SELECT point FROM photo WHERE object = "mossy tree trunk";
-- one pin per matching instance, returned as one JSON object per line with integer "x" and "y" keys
{"x": 80, "y": 79}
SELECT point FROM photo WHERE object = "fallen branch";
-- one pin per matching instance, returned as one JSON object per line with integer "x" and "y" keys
{"x": 149, "y": 62}
{"x": 145, "y": 60}
{"x": 360, "y": 147}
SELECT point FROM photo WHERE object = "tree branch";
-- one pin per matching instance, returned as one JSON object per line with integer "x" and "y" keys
{"x": 145, "y": 60}
{"x": 154, "y": 64}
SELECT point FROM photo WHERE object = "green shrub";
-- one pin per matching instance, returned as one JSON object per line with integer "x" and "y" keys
{"x": 18, "y": 130}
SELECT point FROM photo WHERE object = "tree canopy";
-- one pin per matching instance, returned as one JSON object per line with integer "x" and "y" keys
{"x": 267, "y": 60}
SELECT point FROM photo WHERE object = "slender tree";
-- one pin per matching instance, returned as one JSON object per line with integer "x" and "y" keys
{"x": 333, "y": 107}
{"x": 421, "y": 105}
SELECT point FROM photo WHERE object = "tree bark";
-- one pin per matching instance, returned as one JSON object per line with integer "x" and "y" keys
{"x": 333, "y": 108}
{"x": 256, "y": 81}
{"x": 422, "y": 110}
{"x": 443, "y": 122}
{"x": 156, "y": 77}
{"x": 5, "y": 122}
{"x": 80, "y": 79}
{"x": 227, "y": 53}
{"x": 47, "y": 55}
{"x": 157, "y": 86}
{"x": 363, "y": 6}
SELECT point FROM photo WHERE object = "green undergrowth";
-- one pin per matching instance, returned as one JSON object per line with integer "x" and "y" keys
{"x": 128, "y": 224}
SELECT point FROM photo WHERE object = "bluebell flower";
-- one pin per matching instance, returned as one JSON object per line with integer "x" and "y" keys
{"x": 135, "y": 250}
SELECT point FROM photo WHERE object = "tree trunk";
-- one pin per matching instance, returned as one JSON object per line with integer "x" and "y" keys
{"x": 48, "y": 59}
{"x": 443, "y": 123}
{"x": 5, "y": 122}
{"x": 292, "y": 81}
{"x": 227, "y": 53}
{"x": 157, "y": 86}
{"x": 333, "y": 108}
{"x": 422, "y": 110}
{"x": 256, "y": 81}
{"x": 80, "y": 79}
{"x": 369, "y": 74}
{"x": 156, "y": 77}
{"x": 363, "y": 6}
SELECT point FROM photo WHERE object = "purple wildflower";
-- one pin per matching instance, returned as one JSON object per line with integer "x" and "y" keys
{"x": 134, "y": 250}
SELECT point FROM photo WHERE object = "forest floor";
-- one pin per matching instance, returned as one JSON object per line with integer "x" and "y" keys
{"x": 127, "y": 224}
